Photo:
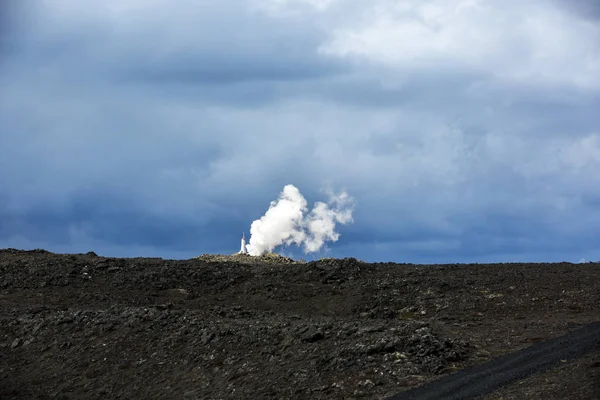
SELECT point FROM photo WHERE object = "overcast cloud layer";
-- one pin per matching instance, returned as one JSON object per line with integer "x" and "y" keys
{"x": 466, "y": 130}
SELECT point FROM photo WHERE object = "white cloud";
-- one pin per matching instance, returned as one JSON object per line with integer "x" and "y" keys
{"x": 583, "y": 155}
{"x": 292, "y": 7}
{"x": 522, "y": 41}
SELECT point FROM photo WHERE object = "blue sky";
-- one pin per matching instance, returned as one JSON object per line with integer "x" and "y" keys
{"x": 466, "y": 131}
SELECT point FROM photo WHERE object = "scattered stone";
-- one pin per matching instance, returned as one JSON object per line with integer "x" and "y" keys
{"x": 207, "y": 337}
{"x": 313, "y": 337}
{"x": 65, "y": 320}
{"x": 15, "y": 343}
{"x": 177, "y": 292}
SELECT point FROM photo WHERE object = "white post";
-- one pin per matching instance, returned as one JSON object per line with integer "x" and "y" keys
{"x": 243, "y": 249}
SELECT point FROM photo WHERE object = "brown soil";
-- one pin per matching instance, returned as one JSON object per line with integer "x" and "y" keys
{"x": 83, "y": 326}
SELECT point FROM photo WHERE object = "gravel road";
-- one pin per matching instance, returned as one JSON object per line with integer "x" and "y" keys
{"x": 485, "y": 378}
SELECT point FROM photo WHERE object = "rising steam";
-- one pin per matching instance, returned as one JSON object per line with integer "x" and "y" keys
{"x": 287, "y": 221}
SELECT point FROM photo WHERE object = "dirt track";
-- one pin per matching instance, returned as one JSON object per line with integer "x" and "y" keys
{"x": 485, "y": 378}
{"x": 82, "y": 326}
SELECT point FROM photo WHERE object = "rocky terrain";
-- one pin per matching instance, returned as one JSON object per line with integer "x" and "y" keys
{"x": 267, "y": 258}
{"x": 238, "y": 327}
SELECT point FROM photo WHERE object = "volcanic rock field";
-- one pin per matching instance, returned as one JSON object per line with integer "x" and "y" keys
{"x": 84, "y": 326}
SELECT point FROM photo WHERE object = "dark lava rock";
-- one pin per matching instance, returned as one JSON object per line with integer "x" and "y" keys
{"x": 313, "y": 336}
{"x": 240, "y": 327}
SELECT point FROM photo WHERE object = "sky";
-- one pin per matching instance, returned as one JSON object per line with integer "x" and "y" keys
{"x": 465, "y": 130}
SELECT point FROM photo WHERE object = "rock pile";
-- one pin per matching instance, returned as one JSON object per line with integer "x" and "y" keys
{"x": 267, "y": 258}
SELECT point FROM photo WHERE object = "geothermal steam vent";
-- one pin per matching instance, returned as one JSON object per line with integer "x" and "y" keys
{"x": 288, "y": 221}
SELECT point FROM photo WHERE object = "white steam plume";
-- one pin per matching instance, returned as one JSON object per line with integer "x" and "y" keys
{"x": 287, "y": 221}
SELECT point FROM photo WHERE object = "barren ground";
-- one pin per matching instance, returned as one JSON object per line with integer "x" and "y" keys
{"x": 83, "y": 326}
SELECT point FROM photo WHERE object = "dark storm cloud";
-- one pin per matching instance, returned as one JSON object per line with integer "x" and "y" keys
{"x": 589, "y": 9}
{"x": 214, "y": 72}
{"x": 106, "y": 219}
{"x": 155, "y": 128}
